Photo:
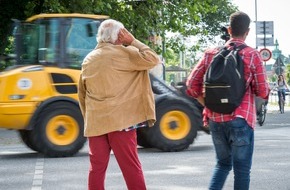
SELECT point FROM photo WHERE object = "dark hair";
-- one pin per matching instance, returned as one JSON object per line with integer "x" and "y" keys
{"x": 283, "y": 79}
{"x": 239, "y": 22}
{"x": 281, "y": 76}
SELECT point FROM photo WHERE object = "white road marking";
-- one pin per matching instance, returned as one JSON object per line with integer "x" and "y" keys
{"x": 38, "y": 174}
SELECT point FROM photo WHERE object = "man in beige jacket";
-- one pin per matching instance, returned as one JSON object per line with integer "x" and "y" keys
{"x": 115, "y": 95}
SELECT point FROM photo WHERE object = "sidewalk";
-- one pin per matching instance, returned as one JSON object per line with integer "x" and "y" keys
{"x": 275, "y": 108}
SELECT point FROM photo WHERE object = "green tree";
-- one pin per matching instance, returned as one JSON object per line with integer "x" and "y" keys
{"x": 288, "y": 74}
{"x": 172, "y": 58}
{"x": 8, "y": 10}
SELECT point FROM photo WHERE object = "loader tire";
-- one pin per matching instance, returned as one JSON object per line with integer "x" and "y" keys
{"x": 142, "y": 137}
{"x": 59, "y": 130}
{"x": 25, "y": 136}
{"x": 176, "y": 126}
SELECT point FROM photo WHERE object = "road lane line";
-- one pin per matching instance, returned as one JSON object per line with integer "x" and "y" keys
{"x": 38, "y": 174}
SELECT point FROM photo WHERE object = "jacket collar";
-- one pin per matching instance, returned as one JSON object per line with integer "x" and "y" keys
{"x": 102, "y": 44}
{"x": 236, "y": 41}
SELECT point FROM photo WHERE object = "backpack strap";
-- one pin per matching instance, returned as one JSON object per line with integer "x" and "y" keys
{"x": 240, "y": 47}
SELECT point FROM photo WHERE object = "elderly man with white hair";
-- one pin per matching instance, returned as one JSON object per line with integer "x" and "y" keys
{"x": 115, "y": 98}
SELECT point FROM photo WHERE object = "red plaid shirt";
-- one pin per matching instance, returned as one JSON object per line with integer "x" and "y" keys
{"x": 255, "y": 75}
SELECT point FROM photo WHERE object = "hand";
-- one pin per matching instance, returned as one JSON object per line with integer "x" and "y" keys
{"x": 200, "y": 99}
{"x": 125, "y": 37}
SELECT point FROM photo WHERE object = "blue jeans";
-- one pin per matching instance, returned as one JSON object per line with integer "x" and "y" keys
{"x": 283, "y": 93}
{"x": 234, "y": 145}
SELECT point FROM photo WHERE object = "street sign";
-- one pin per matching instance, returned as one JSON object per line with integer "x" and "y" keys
{"x": 279, "y": 70}
{"x": 262, "y": 41}
{"x": 265, "y": 27}
{"x": 279, "y": 66}
{"x": 265, "y": 54}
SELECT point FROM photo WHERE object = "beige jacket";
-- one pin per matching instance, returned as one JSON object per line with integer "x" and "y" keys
{"x": 114, "y": 87}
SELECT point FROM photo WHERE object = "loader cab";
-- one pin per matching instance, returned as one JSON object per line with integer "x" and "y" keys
{"x": 60, "y": 40}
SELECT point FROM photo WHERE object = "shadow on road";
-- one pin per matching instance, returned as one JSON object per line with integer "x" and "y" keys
{"x": 16, "y": 155}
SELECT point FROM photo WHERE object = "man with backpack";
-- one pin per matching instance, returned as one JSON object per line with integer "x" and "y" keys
{"x": 232, "y": 125}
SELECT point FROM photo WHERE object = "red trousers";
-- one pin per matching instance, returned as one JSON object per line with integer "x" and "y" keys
{"x": 124, "y": 146}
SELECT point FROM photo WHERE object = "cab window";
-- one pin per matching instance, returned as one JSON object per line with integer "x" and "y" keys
{"x": 80, "y": 40}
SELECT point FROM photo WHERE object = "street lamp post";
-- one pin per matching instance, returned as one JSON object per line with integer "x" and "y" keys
{"x": 256, "y": 19}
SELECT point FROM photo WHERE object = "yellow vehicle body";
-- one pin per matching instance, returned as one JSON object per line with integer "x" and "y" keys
{"x": 24, "y": 89}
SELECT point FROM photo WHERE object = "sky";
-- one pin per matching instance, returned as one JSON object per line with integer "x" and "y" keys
{"x": 268, "y": 10}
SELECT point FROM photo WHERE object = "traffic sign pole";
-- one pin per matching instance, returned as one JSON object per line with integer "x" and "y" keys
{"x": 265, "y": 28}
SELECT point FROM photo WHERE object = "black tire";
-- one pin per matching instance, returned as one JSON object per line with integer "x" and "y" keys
{"x": 176, "y": 126}
{"x": 142, "y": 135}
{"x": 25, "y": 135}
{"x": 262, "y": 115}
{"x": 59, "y": 130}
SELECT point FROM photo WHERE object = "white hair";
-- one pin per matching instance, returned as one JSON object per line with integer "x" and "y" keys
{"x": 109, "y": 30}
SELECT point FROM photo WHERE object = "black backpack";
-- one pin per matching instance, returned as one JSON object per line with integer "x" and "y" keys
{"x": 224, "y": 80}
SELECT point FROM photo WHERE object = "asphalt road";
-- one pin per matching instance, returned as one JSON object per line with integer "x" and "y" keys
{"x": 23, "y": 169}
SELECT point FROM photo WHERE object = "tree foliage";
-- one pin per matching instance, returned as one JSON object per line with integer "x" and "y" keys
{"x": 144, "y": 18}
{"x": 288, "y": 74}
